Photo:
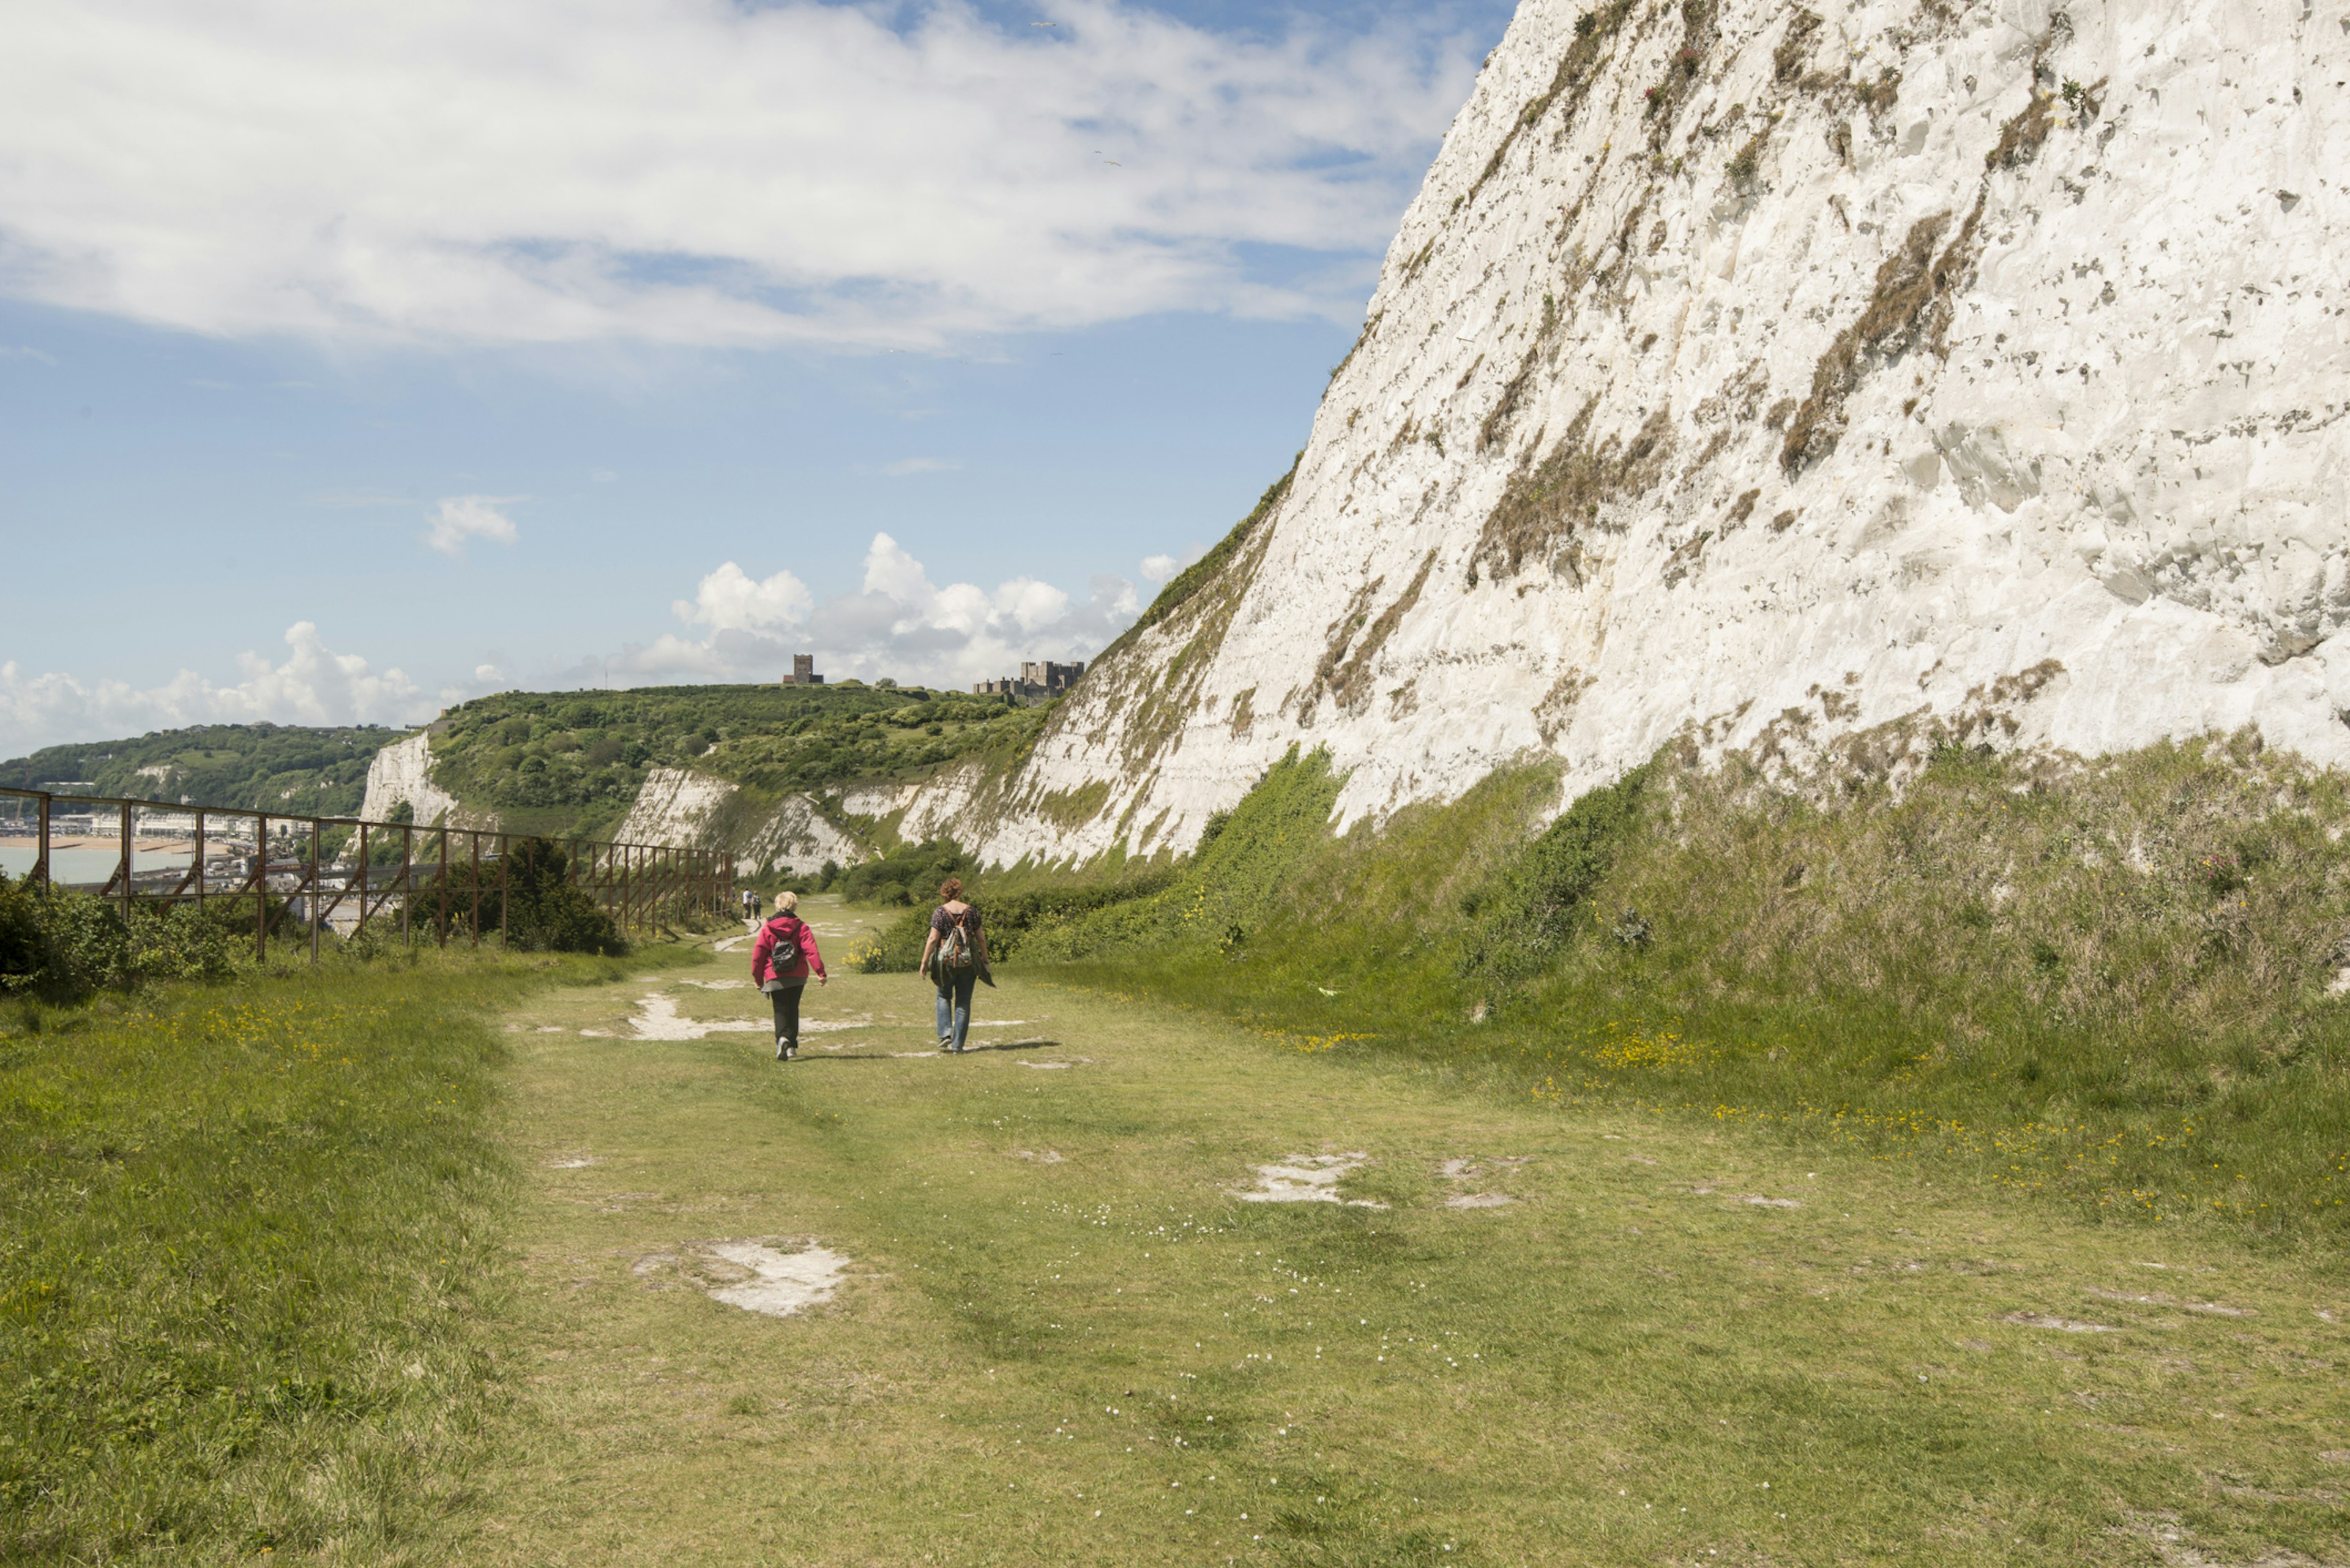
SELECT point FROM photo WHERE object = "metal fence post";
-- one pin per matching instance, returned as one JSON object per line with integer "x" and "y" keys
{"x": 126, "y": 864}
{"x": 41, "y": 856}
{"x": 440, "y": 880}
{"x": 261, "y": 890}
{"x": 317, "y": 888}
{"x": 475, "y": 879}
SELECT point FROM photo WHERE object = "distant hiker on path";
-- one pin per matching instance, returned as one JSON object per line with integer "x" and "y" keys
{"x": 781, "y": 962}
{"x": 954, "y": 957}
{"x": 750, "y": 903}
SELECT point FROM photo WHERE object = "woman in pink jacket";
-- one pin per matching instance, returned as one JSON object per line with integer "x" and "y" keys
{"x": 781, "y": 961}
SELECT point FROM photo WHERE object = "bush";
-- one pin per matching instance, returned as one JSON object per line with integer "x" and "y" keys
{"x": 544, "y": 911}
{"x": 907, "y": 875}
{"x": 897, "y": 947}
{"x": 183, "y": 941}
{"x": 1526, "y": 917}
{"x": 23, "y": 953}
{"x": 84, "y": 945}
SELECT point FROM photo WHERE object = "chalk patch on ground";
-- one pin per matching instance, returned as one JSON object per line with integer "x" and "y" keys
{"x": 580, "y": 1162}
{"x": 656, "y": 1019}
{"x": 766, "y": 1281}
{"x": 903, "y": 1053}
{"x": 2064, "y": 1325}
{"x": 1463, "y": 1168}
{"x": 730, "y": 944}
{"x": 716, "y": 985}
{"x": 595, "y": 1033}
{"x": 548, "y": 1029}
{"x": 1761, "y": 1202}
{"x": 1307, "y": 1178}
{"x": 1049, "y": 1157}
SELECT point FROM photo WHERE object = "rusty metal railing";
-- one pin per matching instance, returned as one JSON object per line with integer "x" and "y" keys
{"x": 631, "y": 882}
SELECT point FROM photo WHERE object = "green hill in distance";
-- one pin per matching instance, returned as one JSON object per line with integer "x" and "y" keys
{"x": 312, "y": 770}
{"x": 572, "y": 763}
{"x": 567, "y": 763}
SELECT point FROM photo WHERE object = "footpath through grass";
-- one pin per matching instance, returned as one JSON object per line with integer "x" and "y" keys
{"x": 1529, "y": 1334}
{"x": 251, "y": 1246}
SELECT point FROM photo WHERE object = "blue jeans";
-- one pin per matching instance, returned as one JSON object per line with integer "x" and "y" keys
{"x": 955, "y": 1007}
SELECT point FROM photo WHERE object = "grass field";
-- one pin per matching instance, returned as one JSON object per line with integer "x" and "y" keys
{"x": 252, "y": 1262}
{"x": 424, "y": 1265}
{"x": 1061, "y": 1336}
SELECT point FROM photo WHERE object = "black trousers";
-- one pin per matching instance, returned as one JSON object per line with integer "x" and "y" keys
{"x": 786, "y": 998}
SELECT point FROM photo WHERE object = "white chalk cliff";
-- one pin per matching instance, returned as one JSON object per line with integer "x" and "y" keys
{"x": 400, "y": 774}
{"x": 678, "y": 806}
{"x": 1753, "y": 369}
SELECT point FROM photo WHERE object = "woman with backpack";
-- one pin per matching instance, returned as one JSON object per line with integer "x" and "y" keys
{"x": 781, "y": 962}
{"x": 954, "y": 957}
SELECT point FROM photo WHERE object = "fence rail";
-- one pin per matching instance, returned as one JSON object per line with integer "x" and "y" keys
{"x": 233, "y": 853}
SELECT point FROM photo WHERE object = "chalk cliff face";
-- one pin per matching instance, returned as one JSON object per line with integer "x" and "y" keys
{"x": 678, "y": 806}
{"x": 1765, "y": 372}
{"x": 401, "y": 772}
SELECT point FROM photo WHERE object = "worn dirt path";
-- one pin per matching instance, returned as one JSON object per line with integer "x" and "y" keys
{"x": 1050, "y": 1317}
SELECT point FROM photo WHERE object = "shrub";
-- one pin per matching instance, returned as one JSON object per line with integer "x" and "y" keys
{"x": 546, "y": 912}
{"x": 22, "y": 950}
{"x": 907, "y": 875}
{"x": 1526, "y": 916}
{"x": 183, "y": 941}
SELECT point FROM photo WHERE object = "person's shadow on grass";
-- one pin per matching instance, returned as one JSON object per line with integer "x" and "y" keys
{"x": 825, "y": 1053}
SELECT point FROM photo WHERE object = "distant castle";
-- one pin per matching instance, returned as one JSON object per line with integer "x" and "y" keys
{"x": 803, "y": 671}
{"x": 1037, "y": 679}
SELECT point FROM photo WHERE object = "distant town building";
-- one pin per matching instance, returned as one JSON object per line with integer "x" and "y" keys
{"x": 803, "y": 671}
{"x": 1036, "y": 682}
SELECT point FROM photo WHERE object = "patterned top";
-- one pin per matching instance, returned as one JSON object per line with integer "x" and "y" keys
{"x": 943, "y": 922}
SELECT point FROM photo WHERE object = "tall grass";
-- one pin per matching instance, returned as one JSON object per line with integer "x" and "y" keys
{"x": 2111, "y": 982}
{"x": 248, "y": 1232}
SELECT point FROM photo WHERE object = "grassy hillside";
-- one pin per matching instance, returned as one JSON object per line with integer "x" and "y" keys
{"x": 573, "y": 762}
{"x": 2113, "y": 984}
{"x": 283, "y": 767}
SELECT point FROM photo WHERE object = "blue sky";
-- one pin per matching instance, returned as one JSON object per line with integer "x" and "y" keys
{"x": 353, "y": 361}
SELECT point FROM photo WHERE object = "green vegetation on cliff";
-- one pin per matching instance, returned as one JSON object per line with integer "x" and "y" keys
{"x": 275, "y": 768}
{"x": 2113, "y": 984}
{"x": 572, "y": 763}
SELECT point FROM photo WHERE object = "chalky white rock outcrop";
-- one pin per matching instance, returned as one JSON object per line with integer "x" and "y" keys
{"x": 680, "y": 806}
{"x": 1766, "y": 372}
{"x": 400, "y": 774}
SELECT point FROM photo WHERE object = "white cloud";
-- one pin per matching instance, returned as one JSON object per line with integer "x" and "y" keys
{"x": 1162, "y": 568}
{"x": 463, "y": 517}
{"x": 313, "y": 685}
{"x": 687, "y": 172}
{"x": 23, "y": 352}
{"x": 901, "y": 625}
{"x": 729, "y": 600}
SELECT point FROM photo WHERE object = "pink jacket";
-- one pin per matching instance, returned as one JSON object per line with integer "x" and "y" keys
{"x": 797, "y": 939}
